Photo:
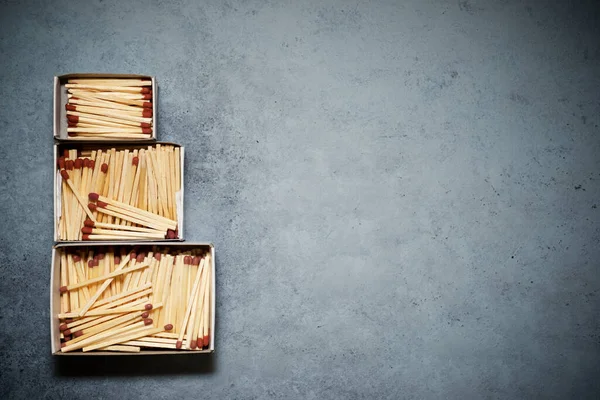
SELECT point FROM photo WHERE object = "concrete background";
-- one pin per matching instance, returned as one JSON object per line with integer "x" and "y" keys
{"x": 404, "y": 195}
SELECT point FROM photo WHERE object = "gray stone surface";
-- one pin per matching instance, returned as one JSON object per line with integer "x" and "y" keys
{"x": 404, "y": 195}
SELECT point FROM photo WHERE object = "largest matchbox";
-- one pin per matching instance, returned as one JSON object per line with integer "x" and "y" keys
{"x": 138, "y": 187}
{"x": 107, "y": 328}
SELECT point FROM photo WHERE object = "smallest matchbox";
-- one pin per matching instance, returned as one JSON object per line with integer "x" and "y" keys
{"x": 105, "y": 107}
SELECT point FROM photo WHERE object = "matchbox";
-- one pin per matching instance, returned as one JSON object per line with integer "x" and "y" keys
{"x": 124, "y": 191}
{"x": 102, "y": 107}
{"x": 145, "y": 298}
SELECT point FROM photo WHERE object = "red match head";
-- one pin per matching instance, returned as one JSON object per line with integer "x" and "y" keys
{"x": 178, "y": 344}
{"x": 78, "y": 163}
{"x": 148, "y": 321}
{"x": 77, "y": 334}
{"x": 147, "y": 131}
{"x": 93, "y": 196}
{"x": 87, "y": 230}
{"x": 96, "y": 263}
{"x": 135, "y": 161}
{"x": 61, "y": 163}
{"x": 117, "y": 260}
{"x": 104, "y": 167}
{"x": 92, "y": 164}
{"x": 69, "y": 164}
{"x": 63, "y": 289}
{"x": 62, "y": 345}
{"x": 86, "y": 162}
{"x": 148, "y": 96}
{"x": 62, "y": 327}
{"x": 89, "y": 222}
{"x": 85, "y": 237}
{"x": 73, "y": 118}
{"x": 171, "y": 234}
{"x": 64, "y": 175}
{"x": 90, "y": 263}
{"x": 148, "y": 307}
{"x": 140, "y": 257}
{"x": 147, "y": 113}
{"x": 187, "y": 260}
{"x": 158, "y": 256}
{"x": 145, "y": 90}
{"x": 168, "y": 327}
{"x": 101, "y": 204}
{"x": 92, "y": 207}
{"x": 76, "y": 258}
{"x": 70, "y": 107}
{"x": 145, "y": 125}
{"x": 100, "y": 256}
{"x": 66, "y": 153}
{"x": 147, "y": 104}
{"x": 67, "y": 338}
{"x": 133, "y": 255}
{"x": 67, "y": 332}
{"x": 206, "y": 340}
{"x": 196, "y": 261}
{"x": 145, "y": 314}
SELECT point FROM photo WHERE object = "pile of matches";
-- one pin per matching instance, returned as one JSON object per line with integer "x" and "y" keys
{"x": 120, "y": 301}
{"x": 109, "y": 109}
{"x": 120, "y": 195}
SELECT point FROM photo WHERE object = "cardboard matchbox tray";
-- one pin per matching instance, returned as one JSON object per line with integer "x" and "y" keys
{"x": 60, "y": 100}
{"x": 58, "y": 149}
{"x": 55, "y": 297}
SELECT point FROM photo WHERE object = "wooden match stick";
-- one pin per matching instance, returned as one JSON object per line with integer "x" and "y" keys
{"x": 82, "y": 202}
{"x": 144, "y": 115}
{"x": 108, "y": 88}
{"x": 131, "y": 336}
{"x": 101, "y": 225}
{"x": 189, "y": 309}
{"x": 102, "y": 278}
{"x": 123, "y": 233}
{"x": 120, "y": 206}
{"x": 122, "y": 348}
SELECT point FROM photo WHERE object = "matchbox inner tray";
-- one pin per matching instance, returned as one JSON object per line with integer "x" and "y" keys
{"x": 61, "y": 98}
{"x": 140, "y": 202}
{"x": 182, "y": 294}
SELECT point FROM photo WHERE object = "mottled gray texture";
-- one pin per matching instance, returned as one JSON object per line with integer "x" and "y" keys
{"x": 404, "y": 196}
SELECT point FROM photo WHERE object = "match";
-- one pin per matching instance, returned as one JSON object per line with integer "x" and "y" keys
{"x": 163, "y": 301}
{"x": 133, "y": 195}
{"x": 102, "y": 108}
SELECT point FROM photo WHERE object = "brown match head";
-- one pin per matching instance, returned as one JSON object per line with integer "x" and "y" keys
{"x": 66, "y": 153}
{"x": 67, "y": 332}
{"x": 145, "y": 125}
{"x": 140, "y": 257}
{"x": 145, "y": 314}
{"x": 63, "y": 289}
{"x": 62, "y": 327}
{"x": 147, "y": 113}
{"x": 168, "y": 327}
{"x": 171, "y": 234}
{"x": 158, "y": 256}
{"x": 104, "y": 167}
{"x": 196, "y": 261}
{"x": 90, "y": 262}
{"x": 148, "y": 307}
{"x": 70, "y": 107}
{"x": 117, "y": 260}
{"x": 187, "y": 260}
{"x": 93, "y": 196}
{"x": 69, "y": 164}
{"x": 67, "y": 338}
{"x": 145, "y": 90}
{"x": 101, "y": 204}
{"x": 92, "y": 164}
{"x": 62, "y": 345}
{"x": 73, "y": 118}
{"x": 135, "y": 161}
{"x": 100, "y": 256}
{"x": 64, "y": 175}
{"x": 147, "y": 131}
{"x": 87, "y": 230}
{"x": 148, "y": 96}
{"x": 96, "y": 263}
{"x": 178, "y": 344}
{"x": 133, "y": 255}
{"x": 147, "y": 104}
{"x": 77, "y": 334}
{"x": 193, "y": 344}
{"x": 89, "y": 222}
{"x": 85, "y": 237}
{"x": 148, "y": 321}
{"x": 86, "y": 162}
{"x": 61, "y": 163}
{"x": 76, "y": 258}
{"x": 206, "y": 340}
{"x": 92, "y": 207}
{"x": 95, "y": 257}
{"x": 78, "y": 163}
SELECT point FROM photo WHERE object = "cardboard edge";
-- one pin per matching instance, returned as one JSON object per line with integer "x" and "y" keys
{"x": 55, "y": 193}
{"x": 54, "y": 304}
{"x": 213, "y": 297}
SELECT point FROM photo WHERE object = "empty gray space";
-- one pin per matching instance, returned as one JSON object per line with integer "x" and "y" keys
{"x": 404, "y": 196}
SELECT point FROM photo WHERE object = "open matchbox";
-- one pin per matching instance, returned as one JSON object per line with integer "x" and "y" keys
{"x": 58, "y": 187}
{"x": 55, "y": 298}
{"x": 61, "y": 99}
